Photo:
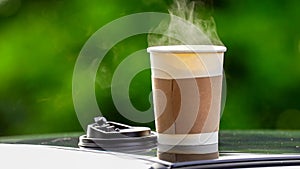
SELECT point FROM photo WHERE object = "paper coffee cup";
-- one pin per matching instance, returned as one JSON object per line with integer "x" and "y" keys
{"x": 187, "y": 87}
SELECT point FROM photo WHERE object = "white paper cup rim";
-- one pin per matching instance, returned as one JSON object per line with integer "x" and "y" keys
{"x": 187, "y": 49}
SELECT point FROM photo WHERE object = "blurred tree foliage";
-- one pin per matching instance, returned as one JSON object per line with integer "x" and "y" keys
{"x": 40, "y": 41}
{"x": 262, "y": 63}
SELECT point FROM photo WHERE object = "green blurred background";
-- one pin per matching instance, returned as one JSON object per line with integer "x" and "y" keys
{"x": 40, "y": 41}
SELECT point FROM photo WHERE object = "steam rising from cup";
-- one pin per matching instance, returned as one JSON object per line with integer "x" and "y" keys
{"x": 189, "y": 23}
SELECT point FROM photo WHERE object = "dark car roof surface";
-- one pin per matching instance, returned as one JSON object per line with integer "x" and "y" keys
{"x": 238, "y": 149}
